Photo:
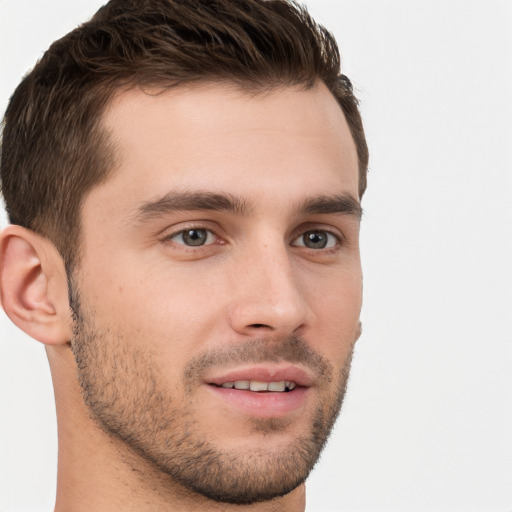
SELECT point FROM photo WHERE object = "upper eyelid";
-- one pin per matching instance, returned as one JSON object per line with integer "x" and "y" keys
{"x": 168, "y": 241}
{"x": 169, "y": 232}
{"x": 170, "y": 236}
{"x": 209, "y": 232}
{"x": 339, "y": 238}
{"x": 301, "y": 230}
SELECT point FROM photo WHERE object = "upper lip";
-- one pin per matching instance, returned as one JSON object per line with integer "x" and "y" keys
{"x": 264, "y": 373}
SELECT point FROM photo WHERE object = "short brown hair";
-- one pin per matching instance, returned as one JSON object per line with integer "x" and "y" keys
{"x": 53, "y": 148}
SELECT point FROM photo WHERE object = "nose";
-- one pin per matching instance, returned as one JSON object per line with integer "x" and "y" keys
{"x": 268, "y": 295}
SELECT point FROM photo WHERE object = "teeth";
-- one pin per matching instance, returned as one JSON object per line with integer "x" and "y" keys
{"x": 277, "y": 386}
{"x": 256, "y": 385}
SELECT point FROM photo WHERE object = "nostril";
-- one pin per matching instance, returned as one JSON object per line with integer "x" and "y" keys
{"x": 260, "y": 326}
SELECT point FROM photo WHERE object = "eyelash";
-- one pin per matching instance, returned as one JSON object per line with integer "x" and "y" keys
{"x": 210, "y": 233}
{"x": 316, "y": 231}
{"x": 335, "y": 238}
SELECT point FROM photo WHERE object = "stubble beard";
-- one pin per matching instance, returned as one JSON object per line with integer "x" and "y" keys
{"x": 122, "y": 389}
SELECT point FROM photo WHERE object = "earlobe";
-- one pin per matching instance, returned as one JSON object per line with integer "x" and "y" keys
{"x": 33, "y": 286}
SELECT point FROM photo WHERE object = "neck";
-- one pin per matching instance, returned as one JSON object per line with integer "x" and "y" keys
{"x": 98, "y": 473}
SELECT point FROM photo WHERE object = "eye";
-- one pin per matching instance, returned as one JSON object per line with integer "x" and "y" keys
{"x": 316, "y": 239}
{"x": 194, "y": 237}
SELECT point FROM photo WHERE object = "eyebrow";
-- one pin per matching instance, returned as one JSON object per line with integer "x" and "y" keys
{"x": 188, "y": 201}
{"x": 343, "y": 204}
{"x": 175, "y": 201}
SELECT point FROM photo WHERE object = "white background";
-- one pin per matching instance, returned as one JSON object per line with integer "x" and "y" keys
{"x": 427, "y": 424}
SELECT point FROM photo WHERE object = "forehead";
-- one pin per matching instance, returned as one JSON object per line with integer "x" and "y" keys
{"x": 216, "y": 137}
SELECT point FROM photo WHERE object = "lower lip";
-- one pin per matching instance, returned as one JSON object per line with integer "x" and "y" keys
{"x": 263, "y": 404}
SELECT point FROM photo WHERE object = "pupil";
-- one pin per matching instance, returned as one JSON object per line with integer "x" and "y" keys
{"x": 194, "y": 236}
{"x": 315, "y": 240}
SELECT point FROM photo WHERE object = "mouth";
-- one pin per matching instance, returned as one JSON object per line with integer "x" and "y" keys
{"x": 264, "y": 392}
{"x": 258, "y": 386}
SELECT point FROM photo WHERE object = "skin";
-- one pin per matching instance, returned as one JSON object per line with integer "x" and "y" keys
{"x": 149, "y": 309}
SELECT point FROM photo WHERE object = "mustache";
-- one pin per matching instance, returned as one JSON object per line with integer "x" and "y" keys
{"x": 291, "y": 349}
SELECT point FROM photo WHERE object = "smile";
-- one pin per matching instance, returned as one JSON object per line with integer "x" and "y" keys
{"x": 260, "y": 386}
{"x": 263, "y": 391}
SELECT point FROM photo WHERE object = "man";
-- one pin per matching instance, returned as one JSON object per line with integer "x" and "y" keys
{"x": 183, "y": 181}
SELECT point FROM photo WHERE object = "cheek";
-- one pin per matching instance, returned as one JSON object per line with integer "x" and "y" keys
{"x": 337, "y": 313}
{"x": 172, "y": 311}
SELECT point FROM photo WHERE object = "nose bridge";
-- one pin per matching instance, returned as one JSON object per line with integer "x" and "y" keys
{"x": 268, "y": 292}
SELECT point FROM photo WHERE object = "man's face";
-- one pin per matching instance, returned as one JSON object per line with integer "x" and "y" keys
{"x": 222, "y": 254}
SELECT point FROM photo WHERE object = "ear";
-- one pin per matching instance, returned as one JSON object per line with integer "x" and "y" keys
{"x": 359, "y": 331}
{"x": 33, "y": 286}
